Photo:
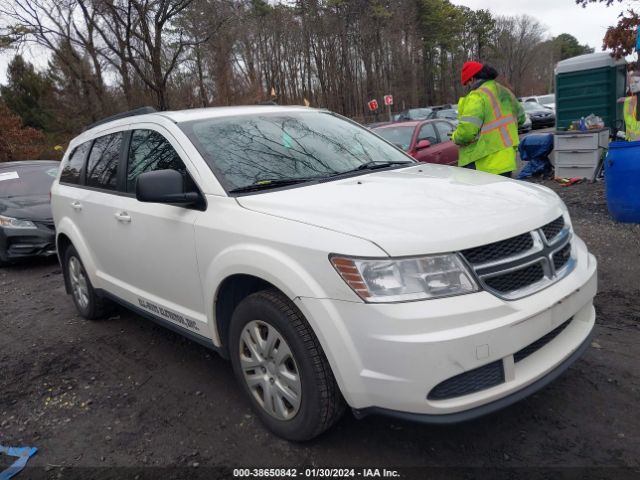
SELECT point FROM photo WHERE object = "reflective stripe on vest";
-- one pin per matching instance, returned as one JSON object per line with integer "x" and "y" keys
{"x": 501, "y": 122}
{"x": 473, "y": 120}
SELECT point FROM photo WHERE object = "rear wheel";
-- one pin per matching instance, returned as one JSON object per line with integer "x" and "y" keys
{"x": 89, "y": 304}
{"x": 281, "y": 366}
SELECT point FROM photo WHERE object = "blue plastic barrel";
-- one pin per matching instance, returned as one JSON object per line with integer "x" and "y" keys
{"x": 622, "y": 177}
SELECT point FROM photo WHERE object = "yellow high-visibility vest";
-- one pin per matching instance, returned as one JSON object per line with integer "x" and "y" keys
{"x": 487, "y": 132}
{"x": 632, "y": 125}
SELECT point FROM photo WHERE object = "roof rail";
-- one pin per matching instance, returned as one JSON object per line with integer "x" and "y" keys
{"x": 118, "y": 116}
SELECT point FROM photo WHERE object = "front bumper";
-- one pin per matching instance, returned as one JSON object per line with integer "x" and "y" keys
{"x": 388, "y": 358}
{"x": 482, "y": 410}
{"x": 543, "y": 122}
{"x": 18, "y": 243}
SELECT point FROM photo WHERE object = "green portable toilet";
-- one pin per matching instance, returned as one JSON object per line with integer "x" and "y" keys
{"x": 589, "y": 84}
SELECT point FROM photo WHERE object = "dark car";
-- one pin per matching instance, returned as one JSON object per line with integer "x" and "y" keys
{"x": 26, "y": 223}
{"x": 428, "y": 141}
{"x": 541, "y": 116}
{"x": 526, "y": 126}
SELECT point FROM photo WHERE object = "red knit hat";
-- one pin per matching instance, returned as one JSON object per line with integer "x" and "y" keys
{"x": 470, "y": 70}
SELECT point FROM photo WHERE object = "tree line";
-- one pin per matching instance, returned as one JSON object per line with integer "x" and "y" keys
{"x": 106, "y": 56}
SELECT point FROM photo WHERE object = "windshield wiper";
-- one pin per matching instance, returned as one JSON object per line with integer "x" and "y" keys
{"x": 376, "y": 164}
{"x": 271, "y": 183}
{"x": 283, "y": 182}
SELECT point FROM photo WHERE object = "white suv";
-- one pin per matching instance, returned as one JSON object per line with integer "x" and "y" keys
{"x": 327, "y": 265}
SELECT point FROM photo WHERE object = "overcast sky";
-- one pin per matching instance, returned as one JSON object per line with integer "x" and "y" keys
{"x": 588, "y": 25}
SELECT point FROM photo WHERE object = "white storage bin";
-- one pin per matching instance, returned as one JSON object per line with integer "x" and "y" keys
{"x": 588, "y": 158}
{"x": 581, "y": 140}
{"x": 575, "y": 171}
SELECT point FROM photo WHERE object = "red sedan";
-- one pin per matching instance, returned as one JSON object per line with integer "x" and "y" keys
{"x": 427, "y": 141}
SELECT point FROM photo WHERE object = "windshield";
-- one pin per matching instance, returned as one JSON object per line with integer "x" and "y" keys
{"x": 533, "y": 106}
{"x": 23, "y": 180}
{"x": 250, "y": 149}
{"x": 547, "y": 99}
{"x": 400, "y": 136}
{"x": 420, "y": 113}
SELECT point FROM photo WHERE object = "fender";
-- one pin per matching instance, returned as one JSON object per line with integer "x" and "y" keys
{"x": 269, "y": 264}
{"x": 295, "y": 282}
{"x": 67, "y": 227}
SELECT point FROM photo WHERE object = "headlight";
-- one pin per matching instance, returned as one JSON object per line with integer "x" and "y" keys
{"x": 406, "y": 279}
{"x": 15, "y": 223}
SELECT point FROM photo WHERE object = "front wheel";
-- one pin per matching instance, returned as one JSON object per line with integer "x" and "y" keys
{"x": 282, "y": 368}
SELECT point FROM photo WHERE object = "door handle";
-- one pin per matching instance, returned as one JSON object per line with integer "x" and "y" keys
{"x": 123, "y": 217}
{"x": 77, "y": 206}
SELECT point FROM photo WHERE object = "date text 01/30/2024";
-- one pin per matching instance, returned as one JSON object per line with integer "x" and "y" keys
{"x": 315, "y": 473}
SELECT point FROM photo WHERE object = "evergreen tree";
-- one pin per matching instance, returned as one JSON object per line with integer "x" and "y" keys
{"x": 27, "y": 93}
{"x": 568, "y": 46}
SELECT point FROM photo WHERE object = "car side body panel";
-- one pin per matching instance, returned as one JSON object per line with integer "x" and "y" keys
{"x": 232, "y": 240}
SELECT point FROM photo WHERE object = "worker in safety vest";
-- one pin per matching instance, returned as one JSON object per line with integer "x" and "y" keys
{"x": 632, "y": 124}
{"x": 488, "y": 117}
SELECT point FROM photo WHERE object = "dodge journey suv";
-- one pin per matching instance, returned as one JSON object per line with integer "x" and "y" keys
{"x": 329, "y": 267}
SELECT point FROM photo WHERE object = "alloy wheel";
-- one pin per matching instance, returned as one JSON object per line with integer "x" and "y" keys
{"x": 269, "y": 370}
{"x": 79, "y": 284}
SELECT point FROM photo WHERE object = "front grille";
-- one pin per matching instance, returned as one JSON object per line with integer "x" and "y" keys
{"x": 498, "y": 250}
{"x": 469, "y": 382}
{"x": 561, "y": 257}
{"x": 551, "y": 230}
{"x": 541, "y": 342}
{"x": 517, "y": 279}
{"x": 525, "y": 264}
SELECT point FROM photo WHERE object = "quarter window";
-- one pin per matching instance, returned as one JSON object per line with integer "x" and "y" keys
{"x": 73, "y": 166}
{"x": 102, "y": 167}
{"x": 150, "y": 151}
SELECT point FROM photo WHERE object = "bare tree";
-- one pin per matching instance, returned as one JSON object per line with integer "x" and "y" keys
{"x": 514, "y": 51}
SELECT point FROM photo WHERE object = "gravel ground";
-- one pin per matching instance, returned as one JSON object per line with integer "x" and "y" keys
{"x": 123, "y": 395}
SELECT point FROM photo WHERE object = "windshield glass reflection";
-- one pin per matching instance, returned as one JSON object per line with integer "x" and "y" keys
{"x": 250, "y": 149}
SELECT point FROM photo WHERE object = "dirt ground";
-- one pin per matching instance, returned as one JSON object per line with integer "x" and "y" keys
{"x": 114, "y": 398}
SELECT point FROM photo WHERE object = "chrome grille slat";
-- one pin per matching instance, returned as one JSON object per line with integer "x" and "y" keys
{"x": 517, "y": 279}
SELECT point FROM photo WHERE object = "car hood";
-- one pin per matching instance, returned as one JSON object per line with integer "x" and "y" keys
{"x": 27, "y": 207}
{"x": 417, "y": 210}
{"x": 538, "y": 113}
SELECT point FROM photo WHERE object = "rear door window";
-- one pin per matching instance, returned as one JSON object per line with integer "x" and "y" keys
{"x": 102, "y": 166}
{"x": 150, "y": 151}
{"x": 73, "y": 166}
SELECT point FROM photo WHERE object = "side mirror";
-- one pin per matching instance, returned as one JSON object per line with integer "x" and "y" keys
{"x": 164, "y": 186}
{"x": 422, "y": 144}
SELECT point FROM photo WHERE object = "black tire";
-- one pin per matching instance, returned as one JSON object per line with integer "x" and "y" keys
{"x": 96, "y": 307}
{"x": 321, "y": 403}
